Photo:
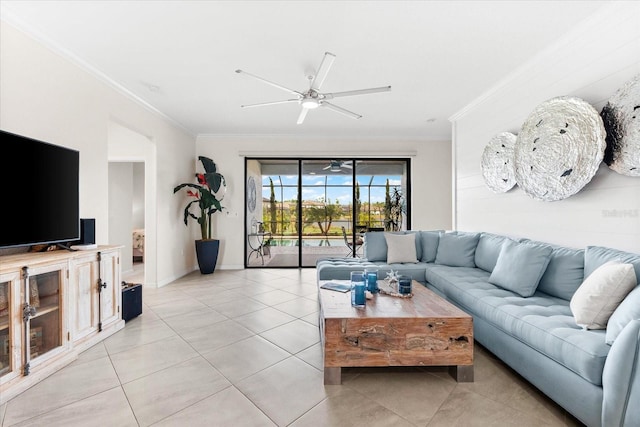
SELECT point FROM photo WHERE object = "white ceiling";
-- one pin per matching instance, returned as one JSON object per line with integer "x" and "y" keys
{"x": 180, "y": 57}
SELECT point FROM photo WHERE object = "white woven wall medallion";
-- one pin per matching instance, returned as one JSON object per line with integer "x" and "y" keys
{"x": 621, "y": 117}
{"x": 497, "y": 163}
{"x": 559, "y": 148}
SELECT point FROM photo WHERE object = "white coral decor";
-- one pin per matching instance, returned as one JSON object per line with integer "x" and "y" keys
{"x": 392, "y": 276}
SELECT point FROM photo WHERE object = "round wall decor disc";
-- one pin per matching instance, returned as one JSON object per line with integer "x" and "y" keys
{"x": 497, "y": 163}
{"x": 559, "y": 149}
{"x": 621, "y": 117}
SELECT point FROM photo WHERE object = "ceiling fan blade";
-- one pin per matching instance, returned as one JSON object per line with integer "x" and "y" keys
{"x": 270, "y": 83}
{"x": 323, "y": 70}
{"x": 269, "y": 103}
{"x": 341, "y": 110}
{"x": 357, "y": 92}
{"x": 303, "y": 114}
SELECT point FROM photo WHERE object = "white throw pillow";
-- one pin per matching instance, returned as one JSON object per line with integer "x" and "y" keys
{"x": 600, "y": 294}
{"x": 401, "y": 248}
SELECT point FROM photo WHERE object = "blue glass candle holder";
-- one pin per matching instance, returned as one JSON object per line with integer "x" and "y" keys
{"x": 358, "y": 287}
{"x": 404, "y": 285}
{"x": 372, "y": 280}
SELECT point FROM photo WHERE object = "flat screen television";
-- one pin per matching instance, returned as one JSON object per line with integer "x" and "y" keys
{"x": 39, "y": 192}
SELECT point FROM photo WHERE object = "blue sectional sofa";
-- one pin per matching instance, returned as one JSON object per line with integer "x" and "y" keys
{"x": 523, "y": 296}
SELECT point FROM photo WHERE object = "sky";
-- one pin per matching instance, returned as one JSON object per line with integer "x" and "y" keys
{"x": 338, "y": 187}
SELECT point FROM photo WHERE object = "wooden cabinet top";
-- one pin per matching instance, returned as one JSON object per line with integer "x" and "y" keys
{"x": 13, "y": 261}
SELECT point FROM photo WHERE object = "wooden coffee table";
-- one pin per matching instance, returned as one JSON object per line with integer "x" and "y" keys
{"x": 424, "y": 330}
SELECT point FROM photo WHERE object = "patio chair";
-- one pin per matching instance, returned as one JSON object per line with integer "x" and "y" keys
{"x": 353, "y": 248}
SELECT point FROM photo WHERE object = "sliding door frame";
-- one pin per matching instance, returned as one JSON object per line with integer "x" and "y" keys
{"x": 299, "y": 209}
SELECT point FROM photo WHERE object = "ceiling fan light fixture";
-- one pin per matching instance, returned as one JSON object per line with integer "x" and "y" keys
{"x": 310, "y": 103}
{"x": 336, "y": 166}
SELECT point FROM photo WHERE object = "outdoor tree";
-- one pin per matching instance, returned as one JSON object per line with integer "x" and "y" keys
{"x": 358, "y": 206}
{"x": 323, "y": 215}
{"x": 293, "y": 214}
{"x": 396, "y": 210}
{"x": 272, "y": 208}
{"x": 387, "y": 207}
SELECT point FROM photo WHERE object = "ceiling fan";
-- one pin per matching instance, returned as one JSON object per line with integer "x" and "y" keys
{"x": 313, "y": 98}
{"x": 337, "y": 165}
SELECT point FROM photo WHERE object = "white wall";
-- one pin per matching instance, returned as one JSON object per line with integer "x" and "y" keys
{"x": 430, "y": 169}
{"x": 137, "y": 207}
{"x": 592, "y": 62}
{"x": 120, "y": 218}
{"x": 47, "y": 96}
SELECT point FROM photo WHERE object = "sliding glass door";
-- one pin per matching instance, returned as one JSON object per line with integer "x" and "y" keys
{"x": 300, "y": 210}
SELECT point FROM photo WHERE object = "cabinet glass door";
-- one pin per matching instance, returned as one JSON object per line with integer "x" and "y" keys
{"x": 5, "y": 328}
{"x": 44, "y": 326}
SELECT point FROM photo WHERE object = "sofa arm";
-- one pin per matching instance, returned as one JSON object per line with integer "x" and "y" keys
{"x": 621, "y": 379}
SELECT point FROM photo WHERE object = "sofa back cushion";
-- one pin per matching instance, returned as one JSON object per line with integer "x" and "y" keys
{"x": 418, "y": 242}
{"x": 375, "y": 246}
{"x": 564, "y": 273}
{"x": 429, "y": 242}
{"x": 595, "y": 256}
{"x": 457, "y": 249}
{"x": 520, "y": 266}
{"x": 628, "y": 310}
{"x": 488, "y": 249}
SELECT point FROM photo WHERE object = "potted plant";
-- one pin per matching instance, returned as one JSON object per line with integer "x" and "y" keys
{"x": 206, "y": 197}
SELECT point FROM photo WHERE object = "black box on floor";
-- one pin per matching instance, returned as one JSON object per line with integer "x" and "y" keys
{"x": 131, "y": 300}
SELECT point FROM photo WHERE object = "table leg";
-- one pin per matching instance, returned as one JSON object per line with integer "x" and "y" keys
{"x": 332, "y": 376}
{"x": 461, "y": 373}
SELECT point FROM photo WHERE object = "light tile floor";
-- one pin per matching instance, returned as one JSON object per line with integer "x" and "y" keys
{"x": 242, "y": 348}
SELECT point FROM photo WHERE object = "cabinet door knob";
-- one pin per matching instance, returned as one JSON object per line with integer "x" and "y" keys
{"x": 28, "y": 312}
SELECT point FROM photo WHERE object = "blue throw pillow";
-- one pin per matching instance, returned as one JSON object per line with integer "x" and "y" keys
{"x": 520, "y": 267}
{"x": 457, "y": 249}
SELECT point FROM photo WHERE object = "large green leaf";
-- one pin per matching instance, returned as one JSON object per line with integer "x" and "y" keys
{"x": 208, "y": 164}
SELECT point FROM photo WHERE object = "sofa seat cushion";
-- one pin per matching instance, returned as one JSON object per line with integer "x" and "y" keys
{"x": 544, "y": 323}
{"x": 443, "y": 276}
{"x": 340, "y": 268}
